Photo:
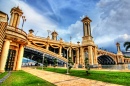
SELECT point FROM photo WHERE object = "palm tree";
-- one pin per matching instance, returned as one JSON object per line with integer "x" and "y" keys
{"x": 127, "y": 45}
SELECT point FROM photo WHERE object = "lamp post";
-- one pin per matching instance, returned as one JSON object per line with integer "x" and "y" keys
{"x": 43, "y": 61}
{"x": 67, "y": 62}
{"x": 24, "y": 19}
{"x": 48, "y": 32}
{"x": 31, "y": 59}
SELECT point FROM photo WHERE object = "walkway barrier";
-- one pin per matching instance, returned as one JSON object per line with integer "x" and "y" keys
{"x": 117, "y": 67}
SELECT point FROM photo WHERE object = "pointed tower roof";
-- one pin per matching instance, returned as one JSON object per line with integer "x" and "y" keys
{"x": 86, "y": 19}
{"x": 16, "y": 9}
{"x": 54, "y": 32}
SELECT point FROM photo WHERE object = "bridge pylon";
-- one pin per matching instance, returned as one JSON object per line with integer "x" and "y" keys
{"x": 88, "y": 44}
{"x": 120, "y": 58}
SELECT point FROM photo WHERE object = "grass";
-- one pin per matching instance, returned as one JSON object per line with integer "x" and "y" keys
{"x": 3, "y": 74}
{"x": 121, "y": 78}
{"x": 21, "y": 78}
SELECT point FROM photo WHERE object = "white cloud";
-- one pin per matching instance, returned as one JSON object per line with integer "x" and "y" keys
{"x": 114, "y": 21}
{"x": 123, "y": 38}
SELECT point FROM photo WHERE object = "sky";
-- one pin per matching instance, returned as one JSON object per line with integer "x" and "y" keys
{"x": 110, "y": 19}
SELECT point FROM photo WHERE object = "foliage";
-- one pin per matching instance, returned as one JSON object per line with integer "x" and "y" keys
{"x": 70, "y": 63}
{"x": 127, "y": 45}
{"x": 118, "y": 77}
{"x": 55, "y": 62}
{"x": 126, "y": 56}
{"x": 21, "y": 78}
{"x": 87, "y": 65}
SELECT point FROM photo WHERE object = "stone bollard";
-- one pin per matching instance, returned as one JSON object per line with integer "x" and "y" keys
{"x": 64, "y": 65}
{"x": 99, "y": 66}
{"x": 126, "y": 66}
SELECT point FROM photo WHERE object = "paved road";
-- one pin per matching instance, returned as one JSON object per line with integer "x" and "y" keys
{"x": 65, "y": 80}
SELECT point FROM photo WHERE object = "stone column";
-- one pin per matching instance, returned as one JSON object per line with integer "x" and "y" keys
{"x": 90, "y": 55}
{"x": 11, "y": 20}
{"x": 18, "y": 21}
{"x": 77, "y": 56}
{"x": 70, "y": 52}
{"x": 14, "y": 20}
{"x": 20, "y": 56}
{"x": 4, "y": 55}
{"x": 60, "y": 50}
{"x": 95, "y": 56}
{"x": 81, "y": 56}
{"x": 47, "y": 46}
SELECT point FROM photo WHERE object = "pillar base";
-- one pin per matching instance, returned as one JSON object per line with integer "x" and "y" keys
{"x": 2, "y": 71}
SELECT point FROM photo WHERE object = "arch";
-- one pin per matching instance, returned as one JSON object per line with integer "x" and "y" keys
{"x": 106, "y": 60}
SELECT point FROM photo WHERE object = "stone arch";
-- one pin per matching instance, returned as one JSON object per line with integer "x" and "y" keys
{"x": 106, "y": 60}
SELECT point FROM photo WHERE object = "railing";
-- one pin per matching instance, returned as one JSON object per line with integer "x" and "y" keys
{"x": 106, "y": 52}
{"x": 47, "y": 52}
{"x": 116, "y": 67}
{"x": 17, "y": 30}
{"x": 54, "y": 41}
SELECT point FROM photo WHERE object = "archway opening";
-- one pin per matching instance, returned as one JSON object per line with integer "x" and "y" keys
{"x": 106, "y": 60}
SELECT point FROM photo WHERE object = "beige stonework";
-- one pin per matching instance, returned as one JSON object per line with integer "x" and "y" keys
{"x": 19, "y": 38}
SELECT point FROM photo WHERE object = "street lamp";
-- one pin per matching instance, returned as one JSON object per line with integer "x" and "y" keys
{"x": 70, "y": 38}
{"x": 43, "y": 60}
{"x": 67, "y": 62}
{"x": 23, "y": 17}
{"x": 48, "y": 32}
{"x": 31, "y": 59}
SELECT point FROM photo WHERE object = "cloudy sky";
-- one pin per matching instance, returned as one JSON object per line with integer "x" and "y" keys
{"x": 110, "y": 19}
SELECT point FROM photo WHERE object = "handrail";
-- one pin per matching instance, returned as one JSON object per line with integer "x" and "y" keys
{"x": 47, "y": 52}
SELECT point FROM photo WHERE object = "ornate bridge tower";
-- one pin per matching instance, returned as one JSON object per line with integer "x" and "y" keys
{"x": 54, "y": 35}
{"x": 14, "y": 41}
{"x": 16, "y": 13}
{"x": 120, "y": 58}
{"x": 88, "y": 45}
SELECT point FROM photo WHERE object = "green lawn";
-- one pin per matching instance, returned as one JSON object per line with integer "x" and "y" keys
{"x": 21, "y": 78}
{"x": 3, "y": 74}
{"x": 122, "y": 78}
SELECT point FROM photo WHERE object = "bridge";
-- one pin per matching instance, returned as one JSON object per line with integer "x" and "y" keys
{"x": 16, "y": 43}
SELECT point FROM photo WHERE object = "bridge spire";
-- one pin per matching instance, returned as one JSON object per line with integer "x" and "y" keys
{"x": 118, "y": 49}
{"x": 16, "y": 13}
{"x": 54, "y": 35}
{"x": 87, "y": 36}
{"x": 88, "y": 43}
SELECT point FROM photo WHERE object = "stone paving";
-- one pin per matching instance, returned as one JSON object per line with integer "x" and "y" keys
{"x": 65, "y": 80}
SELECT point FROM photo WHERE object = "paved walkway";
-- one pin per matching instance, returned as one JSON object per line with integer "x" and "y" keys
{"x": 65, "y": 80}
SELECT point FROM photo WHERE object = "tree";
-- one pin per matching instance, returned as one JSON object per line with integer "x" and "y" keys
{"x": 87, "y": 65}
{"x": 70, "y": 63}
{"x": 55, "y": 62}
{"x": 127, "y": 45}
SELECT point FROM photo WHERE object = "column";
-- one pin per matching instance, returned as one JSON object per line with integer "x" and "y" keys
{"x": 81, "y": 55}
{"x": 14, "y": 20}
{"x": 4, "y": 55}
{"x": 122, "y": 59}
{"x": 60, "y": 50}
{"x": 11, "y": 20}
{"x": 20, "y": 56}
{"x": 77, "y": 56}
{"x": 90, "y": 55}
{"x": 47, "y": 46}
{"x": 70, "y": 52}
{"x": 18, "y": 21}
{"x": 95, "y": 56}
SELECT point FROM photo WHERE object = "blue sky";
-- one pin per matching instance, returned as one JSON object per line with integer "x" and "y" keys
{"x": 110, "y": 19}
